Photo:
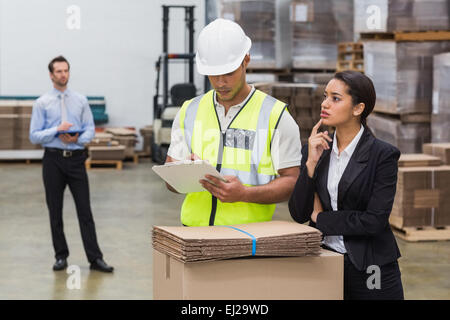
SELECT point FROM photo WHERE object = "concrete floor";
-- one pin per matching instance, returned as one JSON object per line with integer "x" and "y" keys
{"x": 126, "y": 204}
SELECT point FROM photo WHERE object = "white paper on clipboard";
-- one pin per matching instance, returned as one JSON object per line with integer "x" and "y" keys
{"x": 184, "y": 176}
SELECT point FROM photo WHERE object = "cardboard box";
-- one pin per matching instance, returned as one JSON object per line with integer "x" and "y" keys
{"x": 7, "y": 125}
{"x": 317, "y": 28}
{"x": 306, "y": 278}
{"x": 422, "y": 197}
{"x": 147, "y": 136}
{"x": 107, "y": 152}
{"x": 22, "y": 133}
{"x": 407, "y": 137}
{"x": 266, "y": 22}
{"x": 418, "y": 160}
{"x": 441, "y": 150}
{"x": 402, "y": 73}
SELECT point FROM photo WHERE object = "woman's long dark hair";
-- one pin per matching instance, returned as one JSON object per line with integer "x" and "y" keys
{"x": 361, "y": 88}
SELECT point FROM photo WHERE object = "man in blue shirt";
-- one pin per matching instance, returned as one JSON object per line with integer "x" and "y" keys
{"x": 62, "y": 122}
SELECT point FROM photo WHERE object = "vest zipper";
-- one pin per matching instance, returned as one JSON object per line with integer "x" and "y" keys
{"x": 212, "y": 216}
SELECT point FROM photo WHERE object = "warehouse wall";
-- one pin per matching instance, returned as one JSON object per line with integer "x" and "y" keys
{"x": 111, "y": 54}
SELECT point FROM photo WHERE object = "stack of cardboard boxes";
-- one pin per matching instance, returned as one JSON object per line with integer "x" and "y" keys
{"x": 125, "y": 137}
{"x": 317, "y": 28}
{"x": 441, "y": 150}
{"x": 102, "y": 147}
{"x": 399, "y": 44}
{"x": 423, "y": 193}
{"x": 266, "y": 23}
{"x": 15, "y": 117}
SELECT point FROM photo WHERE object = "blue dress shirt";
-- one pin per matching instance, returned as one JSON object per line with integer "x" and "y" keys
{"x": 46, "y": 118}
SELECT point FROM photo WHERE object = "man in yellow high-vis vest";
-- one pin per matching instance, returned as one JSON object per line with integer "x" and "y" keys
{"x": 249, "y": 136}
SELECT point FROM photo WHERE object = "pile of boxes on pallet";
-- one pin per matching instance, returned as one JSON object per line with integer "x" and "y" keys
{"x": 15, "y": 117}
{"x": 350, "y": 57}
{"x": 423, "y": 192}
{"x": 266, "y": 260}
{"x": 402, "y": 72}
{"x": 317, "y": 28}
{"x": 102, "y": 147}
{"x": 113, "y": 144}
{"x": 303, "y": 99}
{"x": 266, "y": 22}
{"x": 125, "y": 137}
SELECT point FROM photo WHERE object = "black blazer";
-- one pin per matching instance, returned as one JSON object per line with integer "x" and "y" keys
{"x": 366, "y": 194}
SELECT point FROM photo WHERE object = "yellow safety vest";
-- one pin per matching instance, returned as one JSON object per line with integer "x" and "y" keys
{"x": 242, "y": 151}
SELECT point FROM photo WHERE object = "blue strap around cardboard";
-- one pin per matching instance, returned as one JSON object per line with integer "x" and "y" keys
{"x": 249, "y": 234}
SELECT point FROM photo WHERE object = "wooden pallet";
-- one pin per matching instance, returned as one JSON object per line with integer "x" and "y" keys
{"x": 349, "y": 56}
{"x": 345, "y": 47}
{"x": 415, "y": 234}
{"x": 25, "y": 161}
{"x": 408, "y": 36}
{"x": 27, "y": 156}
{"x": 118, "y": 164}
{"x": 134, "y": 158}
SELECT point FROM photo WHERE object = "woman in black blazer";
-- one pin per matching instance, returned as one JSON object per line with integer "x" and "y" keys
{"x": 346, "y": 189}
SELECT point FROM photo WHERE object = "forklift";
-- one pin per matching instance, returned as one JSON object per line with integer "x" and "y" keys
{"x": 164, "y": 112}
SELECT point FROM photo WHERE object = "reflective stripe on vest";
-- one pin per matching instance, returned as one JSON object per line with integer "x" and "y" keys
{"x": 257, "y": 144}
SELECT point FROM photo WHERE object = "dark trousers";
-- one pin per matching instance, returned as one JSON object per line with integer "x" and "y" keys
{"x": 58, "y": 172}
{"x": 356, "y": 282}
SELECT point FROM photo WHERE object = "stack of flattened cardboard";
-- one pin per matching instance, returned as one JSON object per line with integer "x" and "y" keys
{"x": 272, "y": 238}
{"x": 102, "y": 147}
{"x": 402, "y": 73}
{"x": 441, "y": 150}
{"x": 125, "y": 137}
{"x": 102, "y": 139}
{"x": 15, "y": 117}
{"x": 418, "y": 160}
{"x": 423, "y": 193}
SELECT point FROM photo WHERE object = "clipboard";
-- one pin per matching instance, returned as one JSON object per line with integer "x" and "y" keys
{"x": 71, "y": 132}
{"x": 184, "y": 176}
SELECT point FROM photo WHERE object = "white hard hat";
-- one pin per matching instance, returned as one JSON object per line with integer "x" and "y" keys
{"x": 221, "y": 47}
